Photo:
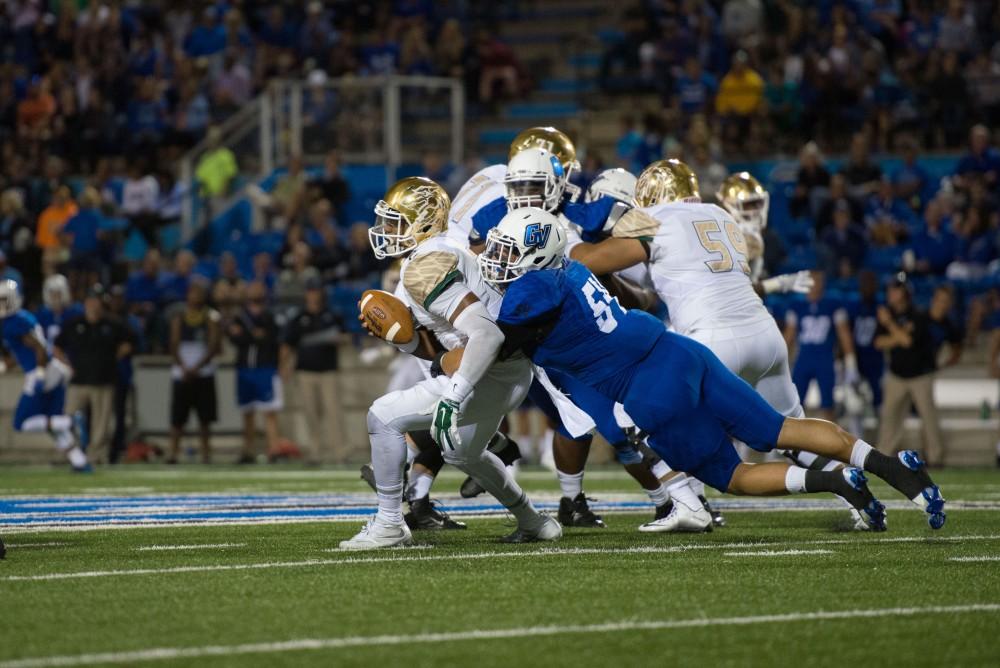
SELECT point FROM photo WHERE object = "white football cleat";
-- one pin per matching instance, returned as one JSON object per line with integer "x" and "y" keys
{"x": 549, "y": 529}
{"x": 377, "y": 534}
{"x": 681, "y": 520}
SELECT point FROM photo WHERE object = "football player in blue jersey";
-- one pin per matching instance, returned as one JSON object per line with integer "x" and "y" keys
{"x": 673, "y": 387}
{"x": 816, "y": 325}
{"x": 40, "y": 408}
{"x": 58, "y": 307}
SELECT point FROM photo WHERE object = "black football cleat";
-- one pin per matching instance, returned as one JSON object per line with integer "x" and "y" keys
{"x": 470, "y": 488}
{"x": 423, "y": 516}
{"x": 577, "y": 513}
{"x": 717, "y": 519}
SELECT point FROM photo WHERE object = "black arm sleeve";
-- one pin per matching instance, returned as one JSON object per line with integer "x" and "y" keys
{"x": 527, "y": 336}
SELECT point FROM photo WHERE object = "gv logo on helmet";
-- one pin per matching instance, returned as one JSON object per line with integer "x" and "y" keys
{"x": 536, "y": 235}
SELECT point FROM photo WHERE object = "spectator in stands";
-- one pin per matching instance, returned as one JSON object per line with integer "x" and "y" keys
{"x": 263, "y": 270}
{"x": 742, "y": 22}
{"x": 981, "y": 163}
{"x": 229, "y": 290}
{"x": 842, "y": 241}
{"x": 50, "y": 224}
{"x": 232, "y": 87}
{"x": 254, "y": 332}
{"x": 381, "y": 55}
{"x": 864, "y": 176}
{"x": 710, "y": 172}
{"x": 811, "y": 182}
{"x": 976, "y": 246}
{"x": 694, "y": 89}
{"x": 629, "y": 144}
{"x": 140, "y": 199}
{"x": 92, "y": 346}
{"x": 957, "y": 28}
{"x": 9, "y": 273}
{"x": 83, "y": 234}
{"x": 143, "y": 291}
{"x": 415, "y": 55}
{"x": 310, "y": 347}
{"x": 946, "y": 328}
{"x": 282, "y": 205}
{"x": 174, "y": 285}
{"x": 290, "y": 288}
{"x": 17, "y": 240}
{"x": 361, "y": 263}
{"x": 215, "y": 171}
{"x": 195, "y": 341}
{"x": 332, "y": 185}
{"x": 498, "y": 68}
{"x": 146, "y": 114}
{"x": 910, "y": 180}
{"x": 948, "y": 98}
{"x": 887, "y": 218}
{"x": 904, "y": 333}
{"x": 837, "y": 194}
{"x": 449, "y": 50}
{"x": 316, "y": 33}
{"x": 36, "y": 111}
{"x": 935, "y": 246}
{"x": 741, "y": 93}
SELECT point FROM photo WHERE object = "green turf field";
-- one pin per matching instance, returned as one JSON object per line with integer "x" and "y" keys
{"x": 775, "y": 587}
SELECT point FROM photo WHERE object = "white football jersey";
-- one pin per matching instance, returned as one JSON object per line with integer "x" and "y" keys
{"x": 485, "y": 186}
{"x": 434, "y": 280}
{"x": 698, "y": 263}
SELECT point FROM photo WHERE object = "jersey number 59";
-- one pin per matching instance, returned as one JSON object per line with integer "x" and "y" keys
{"x": 600, "y": 304}
{"x": 716, "y": 245}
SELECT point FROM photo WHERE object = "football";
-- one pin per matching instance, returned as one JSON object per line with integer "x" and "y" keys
{"x": 386, "y": 316}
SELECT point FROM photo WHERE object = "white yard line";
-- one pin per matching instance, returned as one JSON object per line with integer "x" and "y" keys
{"x": 985, "y": 557}
{"x": 405, "y": 555}
{"x": 198, "y": 546}
{"x": 307, "y": 644}
{"x": 775, "y": 553}
{"x": 49, "y": 544}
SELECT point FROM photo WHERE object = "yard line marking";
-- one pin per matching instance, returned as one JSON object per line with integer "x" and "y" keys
{"x": 987, "y": 557}
{"x": 168, "y": 653}
{"x": 49, "y": 544}
{"x": 457, "y": 556}
{"x": 775, "y": 553}
{"x": 197, "y": 546}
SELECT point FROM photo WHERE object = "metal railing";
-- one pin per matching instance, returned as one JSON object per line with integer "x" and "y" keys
{"x": 388, "y": 120}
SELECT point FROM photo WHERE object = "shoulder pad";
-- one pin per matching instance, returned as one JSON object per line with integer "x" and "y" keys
{"x": 635, "y": 224}
{"x": 428, "y": 274}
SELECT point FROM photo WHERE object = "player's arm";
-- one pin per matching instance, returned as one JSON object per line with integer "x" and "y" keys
{"x": 214, "y": 342}
{"x": 846, "y": 342}
{"x": 894, "y": 336}
{"x": 175, "y": 340}
{"x": 611, "y": 255}
{"x": 630, "y": 294}
{"x": 38, "y": 348}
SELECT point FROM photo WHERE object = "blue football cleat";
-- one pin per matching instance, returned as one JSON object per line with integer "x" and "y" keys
{"x": 930, "y": 498}
{"x": 871, "y": 508}
{"x": 86, "y": 468}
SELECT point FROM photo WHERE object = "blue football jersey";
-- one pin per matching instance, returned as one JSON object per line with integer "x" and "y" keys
{"x": 864, "y": 325}
{"x": 817, "y": 332}
{"x": 15, "y": 328}
{"x": 52, "y": 323}
{"x": 581, "y": 329}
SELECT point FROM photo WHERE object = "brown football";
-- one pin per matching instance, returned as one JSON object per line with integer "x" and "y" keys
{"x": 387, "y": 316}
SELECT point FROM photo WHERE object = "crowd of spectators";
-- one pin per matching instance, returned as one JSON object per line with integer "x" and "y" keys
{"x": 771, "y": 75}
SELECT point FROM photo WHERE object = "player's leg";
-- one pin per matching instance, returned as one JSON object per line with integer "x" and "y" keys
{"x": 207, "y": 409}
{"x": 424, "y": 469}
{"x": 826, "y": 377}
{"x": 249, "y": 454}
{"x": 181, "y": 400}
{"x": 43, "y": 412}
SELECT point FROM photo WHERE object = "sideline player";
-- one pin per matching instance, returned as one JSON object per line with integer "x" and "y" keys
{"x": 447, "y": 295}
{"x": 40, "y": 408}
{"x": 671, "y": 385}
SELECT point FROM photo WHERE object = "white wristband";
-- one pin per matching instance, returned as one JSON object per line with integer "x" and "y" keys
{"x": 409, "y": 346}
{"x": 459, "y": 389}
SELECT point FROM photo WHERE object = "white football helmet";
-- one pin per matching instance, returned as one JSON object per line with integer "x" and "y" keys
{"x": 535, "y": 178}
{"x": 616, "y": 183}
{"x": 55, "y": 291}
{"x": 10, "y": 298}
{"x": 523, "y": 241}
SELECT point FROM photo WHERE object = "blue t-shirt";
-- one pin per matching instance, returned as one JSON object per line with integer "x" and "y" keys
{"x": 694, "y": 95}
{"x": 84, "y": 227}
{"x": 938, "y": 249}
{"x": 15, "y": 327}
{"x": 142, "y": 288}
{"x": 989, "y": 161}
{"x": 584, "y": 331}
{"x": 817, "y": 332}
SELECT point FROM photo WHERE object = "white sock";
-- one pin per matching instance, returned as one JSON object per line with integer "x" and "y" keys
{"x": 35, "y": 423}
{"x": 680, "y": 491}
{"x": 388, "y": 457}
{"x": 658, "y": 496}
{"x": 420, "y": 486}
{"x": 660, "y": 470}
{"x": 76, "y": 457}
{"x": 795, "y": 480}
{"x": 697, "y": 486}
{"x": 860, "y": 453}
{"x": 570, "y": 483}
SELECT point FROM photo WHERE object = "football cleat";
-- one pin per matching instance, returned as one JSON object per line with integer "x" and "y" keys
{"x": 377, "y": 534}
{"x": 470, "y": 488}
{"x": 664, "y": 510}
{"x": 424, "y": 516}
{"x": 577, "y": 513}
{"x": 717, "y": 519}
{"x": 929, "y": 498}
{"x": 681, "y": 519}
{"x": 547, "y": 529}
{"x": 86, "y": 468}
{"x": 856, "y": 493}
{"x": 507, "y": 451}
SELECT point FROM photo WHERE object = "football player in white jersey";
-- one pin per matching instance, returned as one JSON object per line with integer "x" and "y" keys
{"x": 700, "y": 263}
{"x": 442, "y": 286}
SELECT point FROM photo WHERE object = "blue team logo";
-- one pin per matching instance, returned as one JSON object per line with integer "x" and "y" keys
{"x": 536, "y": 235}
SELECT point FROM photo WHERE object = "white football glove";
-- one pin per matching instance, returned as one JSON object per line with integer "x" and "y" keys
{"x": 448, "y": 413}
{"x": 851, "y": 375}
{"x": 800, "y": 282}
{"x": 34, "y": 381}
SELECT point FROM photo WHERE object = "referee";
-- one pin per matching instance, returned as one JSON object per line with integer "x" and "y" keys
{"x": 195, "y": 341}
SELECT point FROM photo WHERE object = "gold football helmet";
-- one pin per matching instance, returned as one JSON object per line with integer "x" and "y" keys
{"x": 666, "y": 181}
{"x": 413, "y": 209}
{"x": 554, "y": 141}
{"x": 745, "y": 198}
